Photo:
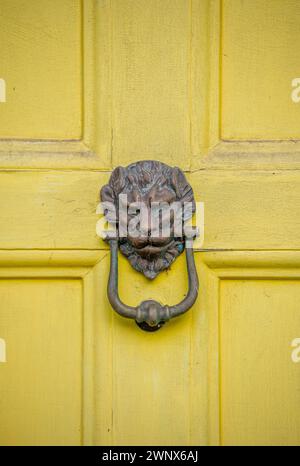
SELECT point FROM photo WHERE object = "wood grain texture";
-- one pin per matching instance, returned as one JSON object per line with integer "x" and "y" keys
{"x": 243, "y": 210}
{"x": 151, "y": 45}
{"x": 259, "y": 61}
{"x": 155, "y": 85}
{"x": 242, "y": 114}
{"x": 260, "y": 385}
{"x": 154, "y": 383}
{"x": 44, "y": 88}
{"x": 91, "y": 148}
{"x": 40, "y": 384}
{"x": 63, "y": 292}
{"x": 120, "y": 409}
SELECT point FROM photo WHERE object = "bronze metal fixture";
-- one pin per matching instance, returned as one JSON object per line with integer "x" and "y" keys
{"x": 149, "y": 182}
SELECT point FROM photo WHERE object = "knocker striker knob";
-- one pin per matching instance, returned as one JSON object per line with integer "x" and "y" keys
{"x": 151, "y": 315}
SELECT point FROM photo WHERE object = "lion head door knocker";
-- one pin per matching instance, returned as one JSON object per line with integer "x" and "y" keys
{"x": 148, "y": 203}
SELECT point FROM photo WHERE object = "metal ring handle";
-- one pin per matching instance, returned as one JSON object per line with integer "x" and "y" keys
{"x": 150, "y": 315}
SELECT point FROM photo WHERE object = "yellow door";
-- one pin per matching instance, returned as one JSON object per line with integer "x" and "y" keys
{"x": 211, "y": 87}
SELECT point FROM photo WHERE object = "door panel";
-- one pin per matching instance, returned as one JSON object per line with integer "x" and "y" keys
{"x": 260, "y": 385}
{"x": 41, "y": 381}
{"x": 43, "y": 87}
{"x": 259, "y": 63}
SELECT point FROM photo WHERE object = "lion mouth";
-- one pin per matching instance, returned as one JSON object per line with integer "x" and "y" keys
{"x": 151, "y": 250}
{"x": 152, "y": 258}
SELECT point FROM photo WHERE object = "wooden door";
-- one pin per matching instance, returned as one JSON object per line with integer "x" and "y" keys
{"x": 209, "y": 86}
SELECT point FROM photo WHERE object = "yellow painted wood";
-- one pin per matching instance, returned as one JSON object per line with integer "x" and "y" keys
{"x": 138, "y": 363}
{"x": 250, "y": 366}
{"x": 205, "y": 106}
{"x": 40, "y": 384}
{"x": 59, "y": 267}
{"x": 260, "y": 385}
{"x": 93, "y": 150}
{"x": 41, "y": 63}
{"x": 164, "y": 80}
{"x": 211, "y": 102}
{"x": 150, "y": 79}
{"x": 56, "y": 209}
{"x": 259, "y": 62}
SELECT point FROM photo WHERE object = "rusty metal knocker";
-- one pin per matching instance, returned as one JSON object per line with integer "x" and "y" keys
{"x": 150, "y": 181}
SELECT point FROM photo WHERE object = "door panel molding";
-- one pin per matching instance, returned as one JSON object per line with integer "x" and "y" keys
{"x": 215, "y": 269}
{"x": 80, "y": 265}
{"x": 208, "y": 149}
{"x": 102, "y": 329}
{"x": 93, "y": 150}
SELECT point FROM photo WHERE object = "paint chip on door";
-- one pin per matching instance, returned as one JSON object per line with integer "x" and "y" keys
{"x": 2, "y": 350}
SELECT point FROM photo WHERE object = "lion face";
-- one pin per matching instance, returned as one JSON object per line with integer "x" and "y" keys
{"x": 149, "y": 182}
